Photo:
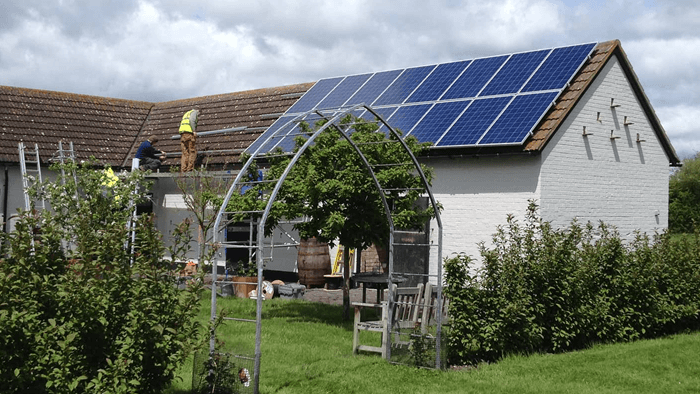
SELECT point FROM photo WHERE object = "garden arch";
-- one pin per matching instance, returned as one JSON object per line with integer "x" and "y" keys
{"x": 286, "y": 132}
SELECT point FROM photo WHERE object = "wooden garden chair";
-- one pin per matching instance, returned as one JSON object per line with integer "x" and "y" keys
{"x": 407, "y": 306}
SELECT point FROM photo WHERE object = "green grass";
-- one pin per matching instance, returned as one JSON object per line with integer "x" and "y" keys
{"x": 307, "y": 348}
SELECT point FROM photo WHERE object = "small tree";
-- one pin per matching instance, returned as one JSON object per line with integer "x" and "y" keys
{"x": 202, "y": 193}
{"x": 684, "y": 197}
{"x": 91, "y": 317}
{"x": 331, "y": 187}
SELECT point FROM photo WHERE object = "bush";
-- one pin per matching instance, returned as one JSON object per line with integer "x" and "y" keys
{"x": 79, "y": 312}
{"x": 549, "y": 290}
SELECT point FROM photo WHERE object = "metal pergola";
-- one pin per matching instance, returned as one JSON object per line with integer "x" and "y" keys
{"x": 289, "y": 130}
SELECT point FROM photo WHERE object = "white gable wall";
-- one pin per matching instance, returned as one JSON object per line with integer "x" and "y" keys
{"x": 619, "y": 181}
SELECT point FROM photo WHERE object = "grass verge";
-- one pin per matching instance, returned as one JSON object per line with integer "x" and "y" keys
{"x": 307, "y": 348}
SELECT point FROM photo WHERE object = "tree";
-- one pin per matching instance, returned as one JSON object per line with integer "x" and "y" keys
{"x": 201, "y": 193}
{"x": 79, "y": 312}
{"x": 684, "y": 197}
{"x": 331, "y": 187}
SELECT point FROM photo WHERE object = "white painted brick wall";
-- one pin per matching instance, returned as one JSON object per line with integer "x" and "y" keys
{"x": 619, "y": 181}
{"x": 477, "y": 195}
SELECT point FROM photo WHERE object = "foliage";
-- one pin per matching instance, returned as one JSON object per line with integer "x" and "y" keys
{"x": 332, "y": 189}
{"x": 331, "y": 186}
{"x": 550, "y": 290}
{"x": 684, "y": 197}
{"x": 78, "y": 311}
{"x": 202, "y": 193}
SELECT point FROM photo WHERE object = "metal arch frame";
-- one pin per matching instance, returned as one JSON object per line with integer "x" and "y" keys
{"x": 338, "y": 115}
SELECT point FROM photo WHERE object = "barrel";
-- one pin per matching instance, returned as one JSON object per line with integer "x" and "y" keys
{"x": 313, "y": 261}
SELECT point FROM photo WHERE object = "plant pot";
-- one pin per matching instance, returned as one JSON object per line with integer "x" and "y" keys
{"x": 244, "y": 285}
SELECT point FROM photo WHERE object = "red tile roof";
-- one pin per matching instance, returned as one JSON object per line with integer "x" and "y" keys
{"x": 101, "y": 127}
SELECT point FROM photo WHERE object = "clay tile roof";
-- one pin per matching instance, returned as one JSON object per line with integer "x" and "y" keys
{"x": 101, "y": 127}
{"x": 573, "y": 93}
{"x": 254, "y": 109}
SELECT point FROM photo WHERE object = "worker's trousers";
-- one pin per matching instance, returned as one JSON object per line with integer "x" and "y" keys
{"x": 189, "y": 152}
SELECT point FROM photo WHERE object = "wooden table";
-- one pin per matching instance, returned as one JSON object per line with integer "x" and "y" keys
{"x": 379, "y": 281}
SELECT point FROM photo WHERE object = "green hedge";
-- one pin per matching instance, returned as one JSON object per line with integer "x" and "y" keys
{"x": 79, "y": 313}
{"x": 543, "y": 289}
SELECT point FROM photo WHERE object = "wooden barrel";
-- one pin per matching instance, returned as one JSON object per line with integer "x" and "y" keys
{"x": 313, "y": 261}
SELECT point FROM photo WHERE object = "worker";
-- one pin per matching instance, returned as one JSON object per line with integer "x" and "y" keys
{"x": 149, "y": 157}
{"x": 188, "y": 136}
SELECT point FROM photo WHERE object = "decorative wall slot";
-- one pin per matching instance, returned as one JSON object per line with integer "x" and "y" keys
{"x": 639, "y": 139}
{"x": 627, "y": 121}
{"x": 598, "y": 118}
{"x": 613, "y": 136}
{"x": 612, "y": 103}
{"x": 585, "y": 133}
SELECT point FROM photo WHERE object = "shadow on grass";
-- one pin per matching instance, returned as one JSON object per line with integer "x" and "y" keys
{"x": 294, "y": 311}
{"x": 308, "y": 312}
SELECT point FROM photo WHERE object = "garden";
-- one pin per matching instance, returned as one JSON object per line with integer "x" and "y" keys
{"x": 574, "y": 309}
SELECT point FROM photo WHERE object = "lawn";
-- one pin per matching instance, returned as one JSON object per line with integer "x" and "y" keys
{"x": 307, "y": 348}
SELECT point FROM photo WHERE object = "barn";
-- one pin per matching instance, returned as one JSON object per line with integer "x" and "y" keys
{"x": 589, "y": 146}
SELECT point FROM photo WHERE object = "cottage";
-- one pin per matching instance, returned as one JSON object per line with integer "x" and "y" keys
{"x": 594, "y": 148}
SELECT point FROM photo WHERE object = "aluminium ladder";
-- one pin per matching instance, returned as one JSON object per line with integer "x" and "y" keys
{"x": 30, "y": 175}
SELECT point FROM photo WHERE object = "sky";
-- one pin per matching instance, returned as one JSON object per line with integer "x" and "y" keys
{"x": 161, "y": 50}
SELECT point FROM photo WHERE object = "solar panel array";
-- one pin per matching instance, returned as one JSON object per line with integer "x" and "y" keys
{"x": 488, "y": 101}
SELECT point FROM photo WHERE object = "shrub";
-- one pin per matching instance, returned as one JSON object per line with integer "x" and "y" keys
{"x": 79, "y": 312}
{"x": 550, "y": 290}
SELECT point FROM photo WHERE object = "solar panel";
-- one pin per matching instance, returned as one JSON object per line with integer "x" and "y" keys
{"x": 373, "y": 88}
{"x": 513, "y": 75}
{"x": 438, "y": 120}
{"x": 479, "y": 72}
{"x": 559, "y": 68}
{"x": 314, "y": 95}
{"x": 403, "y": 86}
{"x": 521, "y": 116}
{"x": 474, "y": 122}
{"x": 439, "y": 80}
{"x": 406, "y": 117}
{"x": 343, "y": 91}
{"x": 495, "y": 100}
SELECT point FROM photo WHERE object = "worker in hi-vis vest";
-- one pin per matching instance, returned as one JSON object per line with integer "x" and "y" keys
{"x": 188, "y": 136}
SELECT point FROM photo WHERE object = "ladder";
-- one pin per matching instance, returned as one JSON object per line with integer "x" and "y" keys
{"x": 61, "y": 156}
{"x": 337, "y": 262}
{"x": 30, "y": 175}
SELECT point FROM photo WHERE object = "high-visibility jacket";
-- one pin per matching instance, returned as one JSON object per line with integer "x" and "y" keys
{"x": 189, "y": 121}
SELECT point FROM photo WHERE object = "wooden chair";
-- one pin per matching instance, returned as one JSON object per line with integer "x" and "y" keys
{"x": 429, "y": 312}
{"x": 407, "y": 305}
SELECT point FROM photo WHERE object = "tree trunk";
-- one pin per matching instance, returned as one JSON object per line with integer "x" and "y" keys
{"x": 346, "y": 283}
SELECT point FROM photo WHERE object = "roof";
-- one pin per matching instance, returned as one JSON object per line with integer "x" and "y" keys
{"x": 112, "y": 129}
{"x": 253, "y": 110}
{"x": 101, "y": 127}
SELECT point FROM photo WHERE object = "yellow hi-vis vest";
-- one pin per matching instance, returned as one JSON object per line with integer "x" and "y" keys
{"x": 185, "y": 126}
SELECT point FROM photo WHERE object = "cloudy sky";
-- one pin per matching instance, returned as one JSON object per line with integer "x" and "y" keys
{"x": 159, "y": 50}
